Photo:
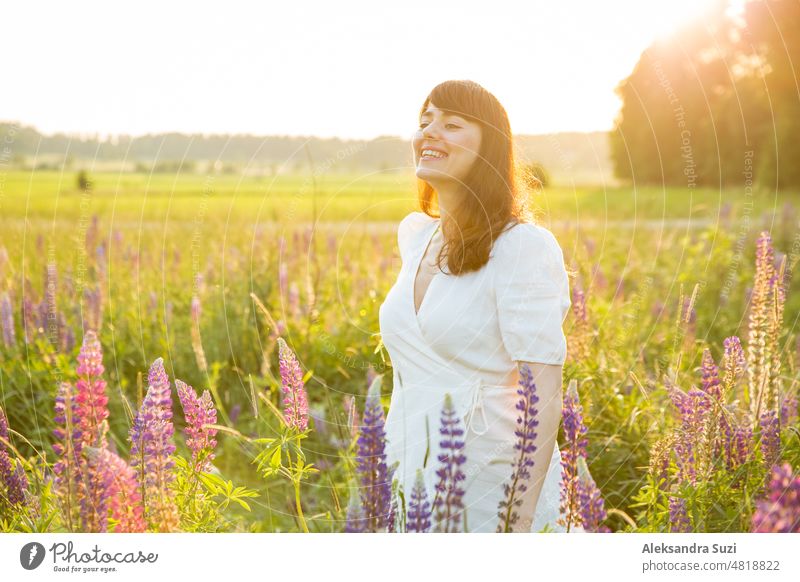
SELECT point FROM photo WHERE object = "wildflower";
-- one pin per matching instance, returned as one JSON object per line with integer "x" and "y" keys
{"x": 7, "y": 321}
{"x": 525, "y": 447}
{"x": 67, "y": 448}
{"x": 419, "y": 512}
{"x": 733, "y": 363}
{"x": 371, "y": 462}
{"x": 780, "y": 512}
{"x": 12, "y": 475}
{"x": 151, "y": 450}
{"x": 448, "y": 502}
{"x": 91, "y": 393}
{"x": 770, "y": 437}
{"x": 295, "y": 402}
{"x": 198, "y": 412}
{"x": 574, "y": 435}
{"x": 678, "y": 516}
{"x": 197, "y": 344}
{"x": 356, "y": 521}
{"x": 590, "y": 500}
{"x": 119, "y": 489}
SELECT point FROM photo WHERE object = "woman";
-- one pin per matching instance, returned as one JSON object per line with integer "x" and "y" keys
{"x": 481, "y": 291}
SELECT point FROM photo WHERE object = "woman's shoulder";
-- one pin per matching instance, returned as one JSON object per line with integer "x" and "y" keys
{"x": 526, "y": 239}
{"x": 411, "y": 224}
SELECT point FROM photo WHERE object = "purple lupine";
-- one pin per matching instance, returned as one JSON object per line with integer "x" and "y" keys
{"x": 376, "y": 484}
{"x": 151, "y": 451}
{"x": 295, "y": 402}
{"x": 93, "y": 298}
{"x": 68, "y": 446}
{"x": 90, "y": 393}
{"x": 789, "y": 409}
{"x": 737, "y": 440}
{"x": 7, "y": 320}
{"x": 448, "y": 502}
{"x": 527, "y": 421}
{"x": 198, "y": 411}
{"x": 770, "y": 437}
{"x": 12, "y": 476}
{"x": 678, "y": 516}
{"x": 710, "y": 376}
{"x": 693, "y": 409}
{"x": 294, "y": 300}
{"x": 759, "y": 347}
{"x": 120, "y": 489}
{"x": 590, "y": 501}
{"x": 780, "y": 512}
{"x": 575, "y": 447}
{"x": 419, "y": 508}
{"x": 197, "y": 343}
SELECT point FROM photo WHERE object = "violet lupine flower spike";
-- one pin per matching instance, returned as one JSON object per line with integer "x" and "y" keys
{"x": 780, "y": 511}
{"x": 448, "y": 502}
{"x": 590, "y": 501}
{"x": 91, "y": 393}
{"x": 13, "y": 482}
{"x": 575, "y": 447}
{"x": 376, "y": 484}
{"x": 7, "y": 320}
{"x": 525, "y": 447}
{"x": 770, "y": 437}
{"x": 419, "y": 510}
{"x": 151, "y": 451}
{"x": 678, "y": 516}
{"x": 68, "y": 446}
{"x": 295, "y": 401}
{"x": 198, "y": 412}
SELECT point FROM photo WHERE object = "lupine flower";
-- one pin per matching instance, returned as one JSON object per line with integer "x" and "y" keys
{"x": 526, "y": 436}
{"x": 119, "y": 489}
{"x": 356, "y": 520}
{"x": 737, "y": 440}
{"x": 691, "y": 450}
{"x": 12, "y": 476}
{"x": 93, "y": 299}
{"x": 575, "y": 447}
{"x": 351, "y": 410}
{"x": 376, "y": 484}
{"x": 762, "y": 322}
{"x": 788, "y": 409}
{"x": 581, "y": 336}
{"x": 67, "y": 469}
{"x": 295, "y": 402}
{"x": 419, "y": 508}
{"x": 198, "y": 413}
{"x": 197, "y": 344}
{"x": 733, "y": 364}
{"x": 590, "y": 501}
{"x": 660, "y": 456}
{"x": 91, "y": 393}
{"x": 151, "y": 450}
{"x": 770, "y": 437}
{"x": 712, "y": 386}
{"x": 448, "y": 502}
{"x": 780, "y": 512}
{"x": 7, "y": 321}
{"x": 294, "y": 300}
{"x": 678, "y": 516}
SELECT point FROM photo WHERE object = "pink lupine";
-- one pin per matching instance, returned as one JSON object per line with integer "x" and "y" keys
{"x": 295, "y": 402}
{"x": 151, "y": 451}
{"x": 120, "y": 489}
{"x": 780, "y": 511}
{"x": 91, "y": 393}
{"x": 199, "y": 412}
{"x": 197, "y": 344}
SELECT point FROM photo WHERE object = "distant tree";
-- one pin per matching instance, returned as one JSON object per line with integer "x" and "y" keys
{"x": 83, "y": 181}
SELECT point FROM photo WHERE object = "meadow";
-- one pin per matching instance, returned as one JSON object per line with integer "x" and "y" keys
{"x": 265, "y": 292}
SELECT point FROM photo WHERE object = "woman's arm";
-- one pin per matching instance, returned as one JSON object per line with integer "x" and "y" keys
{"x": 548, "y": 379}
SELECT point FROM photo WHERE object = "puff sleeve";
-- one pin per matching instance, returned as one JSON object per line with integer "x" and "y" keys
{"x": 532, "y": 294}
{"x": 408, "y": 227}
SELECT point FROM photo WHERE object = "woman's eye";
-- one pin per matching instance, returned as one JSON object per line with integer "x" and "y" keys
{"x": 422, "y": 125}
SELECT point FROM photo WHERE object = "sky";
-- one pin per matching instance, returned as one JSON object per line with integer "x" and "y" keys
{"x": 331, "y": 69}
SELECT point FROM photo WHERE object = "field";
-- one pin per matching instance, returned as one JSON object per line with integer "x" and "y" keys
{"x": 174, "y": 267}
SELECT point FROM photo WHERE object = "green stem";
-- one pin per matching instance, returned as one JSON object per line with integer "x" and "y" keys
{"x": 296, "y": 483}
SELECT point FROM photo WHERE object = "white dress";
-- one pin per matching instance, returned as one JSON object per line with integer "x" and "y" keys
{"x": 466, "y": 340}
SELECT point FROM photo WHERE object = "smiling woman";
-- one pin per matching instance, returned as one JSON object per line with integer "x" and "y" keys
{"x": 464, "y": 327}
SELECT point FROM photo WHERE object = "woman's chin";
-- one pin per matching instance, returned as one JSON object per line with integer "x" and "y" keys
{"x": 428, "y": 174}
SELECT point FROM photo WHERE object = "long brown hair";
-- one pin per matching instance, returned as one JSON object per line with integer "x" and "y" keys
{"x": 493, "y": 198}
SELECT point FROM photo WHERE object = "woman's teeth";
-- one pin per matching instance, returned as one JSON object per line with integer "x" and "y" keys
{"x": 433, "y": 154}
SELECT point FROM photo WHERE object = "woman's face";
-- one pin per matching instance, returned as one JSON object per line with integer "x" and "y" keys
{"x": 455, "y": 142}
